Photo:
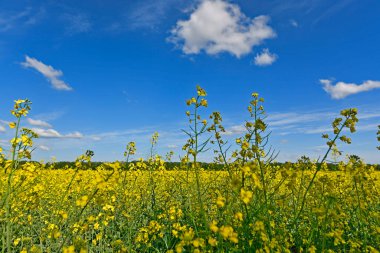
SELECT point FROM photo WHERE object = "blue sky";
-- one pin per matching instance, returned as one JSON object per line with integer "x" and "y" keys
{"x": 103, "y": 73}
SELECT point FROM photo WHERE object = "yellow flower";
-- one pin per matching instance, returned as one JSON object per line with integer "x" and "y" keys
{"x": 312, "y": 249}
{"x": 246, "y": 196}
{"x": 220, "y": 202}
{"x": 196, "y": 243}
{"x": 70, "y": 249}
{"x": 226, "y": 231}
{"x": 16, "y": 241}
{"x": 82, "y": 201}
{"x": 188, "y": 235}
{"x": 212, "y": 241}
{"x": 201, "y": 92}
{"x": 56, "y": 234}
{"x": 12, "y": 124}
{"x": 239, "y": 216}
{"x": 204, "y": 102}
{"x": 213, "y": 226}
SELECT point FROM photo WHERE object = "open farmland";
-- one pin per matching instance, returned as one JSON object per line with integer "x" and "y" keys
{"x": 250, "y": 204}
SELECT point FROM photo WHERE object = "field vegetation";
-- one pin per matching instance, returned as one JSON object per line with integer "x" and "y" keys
{"x": 243, "y": 202}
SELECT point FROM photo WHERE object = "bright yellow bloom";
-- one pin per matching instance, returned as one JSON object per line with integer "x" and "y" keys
{"x": 70, "y": 249}
{"x": 220, "y": 201}
{"x": 82, "y": 201}
{"x": 245, "y": 196}
{"x": 239, "y": 216}
{"x": 212, "y": 241}
{"x": 213, "y": 226}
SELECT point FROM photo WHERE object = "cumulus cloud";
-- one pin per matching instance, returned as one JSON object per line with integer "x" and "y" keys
{"x": 51, "y": 74}
{"x": 265, "y": 58}
{"x": 52, "y": 133}
{"x": 341, "y": 89}
{"x": 38, "y": 123}
{"x": 217, "y": 26}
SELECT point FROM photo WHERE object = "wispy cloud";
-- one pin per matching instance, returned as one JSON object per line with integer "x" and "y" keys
{"x": 217, "y": 26}
{"x": 148, "y": 14}
{"x": 77, "y": 23}
{"x": 316, "y": 9}
{"x": 235, "y": 130}
{"x": 49, "y": 116}
{"x": 51, "y": 74}
{"x": 283, "y": 119}
{"x": 332, "y": 10}
{"x": 285, "y": 123}
{"x": 44, "y": 148}
{"x": 112, "y": 134}
{"x": 265, "y": 58}
{"x": 38, "y": 123}
{"x": 294, "y": 23}
{"x": 12, "y": 20}
{"x": 2, "y": 129}
{"x": 341, "y": 89}
{"x": 52, "y": 133}
{"x": 145, "y": 15}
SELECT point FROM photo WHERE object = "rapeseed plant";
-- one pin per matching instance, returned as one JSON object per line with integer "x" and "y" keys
{"x": 251, "y": 205}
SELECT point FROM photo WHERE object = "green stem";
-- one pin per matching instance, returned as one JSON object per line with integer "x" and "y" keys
{"x": 197, "y": 178}
{"x": 316, "y": 172}
{"x": 8, "y": 203}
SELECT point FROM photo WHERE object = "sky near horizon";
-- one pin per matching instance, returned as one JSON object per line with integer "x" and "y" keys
{"x": 103, "y": 73}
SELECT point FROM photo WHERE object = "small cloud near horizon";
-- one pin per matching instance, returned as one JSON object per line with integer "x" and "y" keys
{"x": 341, "y": 89}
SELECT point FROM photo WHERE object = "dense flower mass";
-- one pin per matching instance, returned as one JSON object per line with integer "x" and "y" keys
{"x": 110, "y": 209}
{"x": 249, "y": 204}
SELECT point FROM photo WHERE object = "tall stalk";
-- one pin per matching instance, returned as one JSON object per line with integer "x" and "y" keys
{"x": 349, "y": 122}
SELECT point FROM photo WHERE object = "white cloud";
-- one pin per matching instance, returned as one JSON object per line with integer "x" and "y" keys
{"x": 47, "y": 71}
{"x": 265, "y": 58}
{"x": 44, "y": 148}
{"x": 52, "y": 133}
{"x": 2, "y": 129}
{"x": 38, "y": 123}
{"x": 77, "y": 23}
{"x": 234, "y": 130}
{"x": 341, "y": 89}
{"x": 74, "y": 135}
{"x": 12, "y": 20}
{"x": 172, "y": 146}
{"x": 217, "y": 26}
{"x": 283, "y": 119}
{"x": 294, "y": 23}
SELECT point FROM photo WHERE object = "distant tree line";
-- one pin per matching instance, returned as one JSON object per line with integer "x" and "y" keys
{"x": 303, "y": 164}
